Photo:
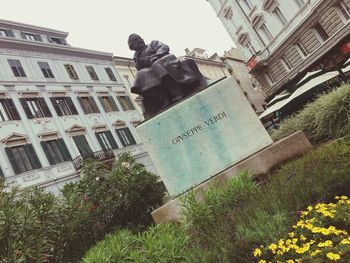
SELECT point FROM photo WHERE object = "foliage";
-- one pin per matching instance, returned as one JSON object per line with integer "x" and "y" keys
{"x": 161, "y": 243}
{"x": 320, "y": 235}
{"x": 36, "y": 226}
{"x": 229, "y": 221}
{"x": 326, "y": 118}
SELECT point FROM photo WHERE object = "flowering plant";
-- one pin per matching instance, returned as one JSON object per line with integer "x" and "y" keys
{"x": 320, "y": 235}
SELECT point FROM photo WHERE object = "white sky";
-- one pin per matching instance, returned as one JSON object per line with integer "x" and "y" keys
{"x": 105, "y": 25}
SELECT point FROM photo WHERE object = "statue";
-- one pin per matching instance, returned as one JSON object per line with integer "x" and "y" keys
{"x": 162, "y": 79}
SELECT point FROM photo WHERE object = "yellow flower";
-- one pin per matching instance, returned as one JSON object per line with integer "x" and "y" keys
{"x": 291, "y": 234}
{"x": 290, "y": 261}
{"x": 262, "y": 261}
{"x": 317, "y": 251}
{"x": 302, "y": 237}
{"x": 327, "y": 243}
{"x": 333, "y": 256}
{"x": 257, "y": 252}
{"x": 345, "y": 241}
{"x": 273, "y": 248}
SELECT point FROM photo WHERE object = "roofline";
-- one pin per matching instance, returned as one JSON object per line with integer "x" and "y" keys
{"x": 53, "y": 47}
{"x": 18, "y": 24}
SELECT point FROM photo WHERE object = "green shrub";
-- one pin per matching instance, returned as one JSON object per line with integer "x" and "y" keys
{"x": 326, "y": 118}
{"x": 161, "y": 243}
{"x": 36, "y": 226}
{"x": 230, "y": 221}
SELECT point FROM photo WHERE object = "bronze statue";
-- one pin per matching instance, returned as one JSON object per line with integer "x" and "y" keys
{"x": 162, "y": 79}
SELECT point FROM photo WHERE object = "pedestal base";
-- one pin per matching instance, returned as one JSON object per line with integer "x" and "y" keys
{"x": 258, "y": 164}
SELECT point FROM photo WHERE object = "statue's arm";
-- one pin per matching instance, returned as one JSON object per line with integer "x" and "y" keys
{"x": 161, "y": 50}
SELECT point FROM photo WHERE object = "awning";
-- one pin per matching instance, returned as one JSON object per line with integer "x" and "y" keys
{"x": 301, "y": 90}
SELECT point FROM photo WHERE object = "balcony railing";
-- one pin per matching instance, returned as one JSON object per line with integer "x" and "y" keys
{"x": 100, "y": 156}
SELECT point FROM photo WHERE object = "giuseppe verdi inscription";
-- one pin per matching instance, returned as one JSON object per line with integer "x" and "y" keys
{"x": 200, "y": 127}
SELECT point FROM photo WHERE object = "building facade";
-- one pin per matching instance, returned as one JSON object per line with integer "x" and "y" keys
{"x": 59, "y": 105}
{"x": 127, "y": 71}
{"x": 231, "y": 64}
{"x": 235, "y": 63}
{"x": 283, "y": 40}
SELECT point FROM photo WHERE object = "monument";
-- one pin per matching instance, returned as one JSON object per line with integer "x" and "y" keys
{"x": 194, "y": 131}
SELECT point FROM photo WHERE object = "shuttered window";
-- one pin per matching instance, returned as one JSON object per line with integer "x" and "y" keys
{"x": 71, "y": 71}
{"x": 17, "y": 68}
{"x": 35, "y": 107}
{"x": 45, "y": 69}
{"x": 108, "y": 103}
{"x": 106, "y": 140}
{"x": 126, "y": 103}
{"x": 56, "y": 151}
{"x": 23, "y": 158}
{"x": 88, "y": 105}
{"x": 6, "y": 33}
{"x": 125, "y": 136}
{"x": 110, "y": 74}
{"x": 31, "y": 37}
{"x": 8, "y": 110}
{"x": 92, "y": 73}
{"x": 83, "y": 146}
{"x": 64, "y": 106}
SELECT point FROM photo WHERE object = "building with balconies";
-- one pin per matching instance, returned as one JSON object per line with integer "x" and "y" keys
{"x": 283, "y": 40}
{"x": 59, "y": 105}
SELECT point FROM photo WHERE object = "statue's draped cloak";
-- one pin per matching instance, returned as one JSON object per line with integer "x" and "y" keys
{"x": 166, "y": 65}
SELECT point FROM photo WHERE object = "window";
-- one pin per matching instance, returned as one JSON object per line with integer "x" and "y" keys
{"x": 251, "y": 48}
{"x": 344, "y": 10}
{"x": 266, "y": 32}
{"x": 6, "y": 33}
{"x": 92, "y": 73}
{"x": 279, "y": 15}
{"x": 228, "y": 13}
{"x": 300, "y": 3}
{"x": 126, "y": 103}
{"x": 8, "y": 110}
{"x": 110, "y": 74}
{"x": 269, "y": 78}
{"x": 56, "y": 151}
{"x": 83, "y": 146}
{"x": 56, "y": 40}
{"x": 125, "y": 136}
{"x": 17, "y": 68}
{"x": 35, "y": 107}
{"x": 286, "y": 63}
{"x": 23, "y": 158}
{"x": 108, "y": 103}
{"x": 63, "y": 106}
{"x": 248, "y": 4}
{"x": 106, "y": 140}
{"x": 301, "y": 49}
{"x": 31, "y": 37}
{"x": 88, "y": 105}
{"x": 71, "y": 71}
{"x": 45, "y": 69}
{"x": 321, "y": 32}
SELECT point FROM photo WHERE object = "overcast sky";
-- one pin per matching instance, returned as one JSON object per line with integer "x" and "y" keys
{"x": 105, "y": 25}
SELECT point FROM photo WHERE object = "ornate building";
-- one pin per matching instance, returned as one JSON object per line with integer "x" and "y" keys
{"x": 283, "y": 40}
{"x": 231, "y": 64}
{"x": 59, "y": 105}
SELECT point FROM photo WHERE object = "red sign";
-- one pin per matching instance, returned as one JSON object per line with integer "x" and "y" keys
{"x": 345, "y": 49}
{"x": 251, "y": 63}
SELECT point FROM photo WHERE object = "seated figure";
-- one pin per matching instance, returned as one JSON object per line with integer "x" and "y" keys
{"x": 162, "y": 79}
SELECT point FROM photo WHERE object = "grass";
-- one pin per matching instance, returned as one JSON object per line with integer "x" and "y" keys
{"x": 229, "y": 222}
{"x": 326, "y": 118}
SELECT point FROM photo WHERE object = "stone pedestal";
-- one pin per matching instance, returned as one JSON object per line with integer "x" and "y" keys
{"x": 259, "y": 163}
{"x": 202, "y": 136}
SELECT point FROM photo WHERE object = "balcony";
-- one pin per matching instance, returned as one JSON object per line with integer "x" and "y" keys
{"x": 104, "y": 156}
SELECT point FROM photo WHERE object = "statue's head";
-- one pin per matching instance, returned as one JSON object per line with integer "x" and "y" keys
{"x": 135, "y": 42}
